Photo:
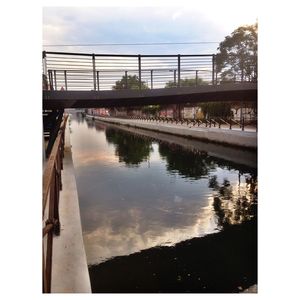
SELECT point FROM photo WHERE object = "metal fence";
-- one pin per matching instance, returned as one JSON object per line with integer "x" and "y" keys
{"x": 97, "y": 72}
{"x": 52, "y": 184}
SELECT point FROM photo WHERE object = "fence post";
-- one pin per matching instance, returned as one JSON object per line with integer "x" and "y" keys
{"x": 151, "y": 72}
{"x": 140, "y": 72}
{"x": 94, "y": 71}
{"x": 178, "y": 83}
{"x": 197, "y": 78}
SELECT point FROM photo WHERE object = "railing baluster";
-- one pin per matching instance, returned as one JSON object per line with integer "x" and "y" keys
{"x": 94, "y": 71}
{"x": 174, "y": 77}
{"x": 66, "y": 86}
{"x": 55, "y": 83}
{"x": 140, "y": 72}
{"x": 126, "y": 80}
{"x": 178, "y": 66}
{"x": 98, "y": 84}
{"x": 213, "y": 69}
{"x": 50, "y": 79}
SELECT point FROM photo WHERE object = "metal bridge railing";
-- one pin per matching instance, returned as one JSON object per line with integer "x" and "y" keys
{"x": 52, "y": 184}
{"x": 97, "y": 72}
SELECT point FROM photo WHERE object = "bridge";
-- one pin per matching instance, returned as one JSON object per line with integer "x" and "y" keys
{"x": 82, "y": 80}
{"x": 73, "y": 80}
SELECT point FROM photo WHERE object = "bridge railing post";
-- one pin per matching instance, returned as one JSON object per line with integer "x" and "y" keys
{"x": 94, "y": 71}
{"x": 55, "y": 83}
{"x": 140, "y": 72}
{"x": 126, "y": 80}
{"x": 66, "y": 84}
{"x": 98, "y": 84}
{"x": 45, "y": 79}
{"x": 213, "y": 69}
{"x": 178, "y": 67}
{"x": 174, "y": 77}
{"x": 50, "y": 78}
{"x": 151, "y": 72}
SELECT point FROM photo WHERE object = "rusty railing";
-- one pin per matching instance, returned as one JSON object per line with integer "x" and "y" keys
{"x": 52, "y": 184}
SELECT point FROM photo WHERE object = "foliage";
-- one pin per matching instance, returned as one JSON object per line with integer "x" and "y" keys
{"x": 132, "y": 83}
{"x": 186, "y": 82}
{"x": 237, "y": 57}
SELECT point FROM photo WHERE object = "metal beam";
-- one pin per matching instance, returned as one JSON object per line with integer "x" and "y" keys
{"x": 246, "y": 92}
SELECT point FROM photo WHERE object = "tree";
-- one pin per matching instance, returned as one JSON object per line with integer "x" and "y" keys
{"x": 186, "y": 82}
{"x": 132, "y": 83}
{"x": 237, "y": 56}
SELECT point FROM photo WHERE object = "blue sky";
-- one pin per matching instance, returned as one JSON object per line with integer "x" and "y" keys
{"x": 201, "y": 23}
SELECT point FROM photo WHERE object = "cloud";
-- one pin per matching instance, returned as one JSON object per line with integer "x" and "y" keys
{"x": 71, "y": 25}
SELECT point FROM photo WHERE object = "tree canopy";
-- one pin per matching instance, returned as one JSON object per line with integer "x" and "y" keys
{"x": 132, "y": 83}
{"x": 186, "y": 82}
{"x": 237, "y": 56}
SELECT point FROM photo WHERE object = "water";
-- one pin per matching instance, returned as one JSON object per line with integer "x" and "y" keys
{"x": 161, "y": 213}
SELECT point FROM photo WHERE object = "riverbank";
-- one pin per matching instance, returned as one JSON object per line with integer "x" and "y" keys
{"x": 69, "y": 264}
{"x": 234, "y": 138}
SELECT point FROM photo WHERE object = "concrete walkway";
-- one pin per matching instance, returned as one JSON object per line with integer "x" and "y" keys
{"x": 69, "y": 264}
{"x": 246, "y": 139}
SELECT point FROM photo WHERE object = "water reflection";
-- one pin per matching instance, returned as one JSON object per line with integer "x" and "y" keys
{"x": 137, "y": 192}
{"x": 189, "y": 164}
{"x": 234, "y": 205}
{"x": 224, "y": 262}
{"x": 129, "y": 148}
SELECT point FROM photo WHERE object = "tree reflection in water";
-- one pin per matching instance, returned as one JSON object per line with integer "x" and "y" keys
{"x": 131, "y": 149}
{"x": 234, "y": 205}
{"x": 189, "y": 164}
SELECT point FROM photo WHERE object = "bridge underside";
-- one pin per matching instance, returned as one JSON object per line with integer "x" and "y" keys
{"x": 245, "y": 92}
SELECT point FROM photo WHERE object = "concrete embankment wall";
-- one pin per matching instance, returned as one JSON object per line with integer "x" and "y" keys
{"x": 235, "y": 138}
{"x": 69, "y": 264}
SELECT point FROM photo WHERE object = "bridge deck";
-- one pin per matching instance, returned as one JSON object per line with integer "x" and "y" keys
{"x": 246, "y": 92}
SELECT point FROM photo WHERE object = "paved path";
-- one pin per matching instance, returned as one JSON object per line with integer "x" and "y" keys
{"x": 69, "y": 264}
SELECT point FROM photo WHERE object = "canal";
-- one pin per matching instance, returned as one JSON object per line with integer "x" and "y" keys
{"x": 162, "y": 213}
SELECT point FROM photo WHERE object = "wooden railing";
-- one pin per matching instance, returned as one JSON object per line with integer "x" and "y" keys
{"x": 52, "y": 184}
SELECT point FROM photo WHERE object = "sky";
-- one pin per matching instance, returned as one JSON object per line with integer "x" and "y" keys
{"x": 156, "y": 24}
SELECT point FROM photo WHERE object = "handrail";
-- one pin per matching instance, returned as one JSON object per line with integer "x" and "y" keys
{"x": 88, "y": 71}
{"x": 52, "y": 184}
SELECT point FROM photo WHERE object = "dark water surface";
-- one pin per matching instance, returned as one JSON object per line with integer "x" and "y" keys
{"x": 162, "y": 213}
